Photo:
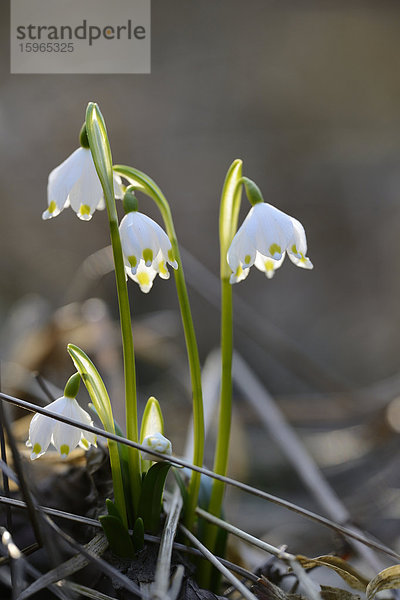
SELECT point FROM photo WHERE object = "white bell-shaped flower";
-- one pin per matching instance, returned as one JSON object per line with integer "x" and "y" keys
{"x": 264, "y": 237}
{"x": 44, "y": 430}
{"x": 75, "y": 183}
{"x": 157, "y": 442}
{"x": 146, "y": 248}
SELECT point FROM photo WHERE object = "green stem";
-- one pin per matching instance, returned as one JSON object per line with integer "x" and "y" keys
{"x": 117, "y": 480}
{"x": 101, "y": 152}
{"x": 229, "y": 212}
{"x": 132, "y": 432}
{"x": 148, "y": 186}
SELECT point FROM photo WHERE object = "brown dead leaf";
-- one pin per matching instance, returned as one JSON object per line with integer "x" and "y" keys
{"x": 332, "y": 593}
{"x": 263, "y": 589}
{"x": 388, "y": 579}
{"x": 346, "y": 571}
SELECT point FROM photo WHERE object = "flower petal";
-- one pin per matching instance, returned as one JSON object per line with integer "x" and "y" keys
{"x": 298, "y": 248}
{"x": 242, "y": 251}
{"x": 66, "y": 437}
{"x": 87, "y": 192}
{"x": 144, "y": 276}
{"x": 239, "y": 275}
{"x": 274, "y": 230}
{"x": 87, "y": 438}
{"x": 268, "y": 265}
{"x": 130, "y": 245}
{"x": 157, "y": 442}
{"x": 61, "y": 180}
{"x": 118, "y": 186}
{"x": 40, "y": 432}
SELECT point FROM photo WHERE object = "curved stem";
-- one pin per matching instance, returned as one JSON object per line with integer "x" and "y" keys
{"x": 148, "y": 186}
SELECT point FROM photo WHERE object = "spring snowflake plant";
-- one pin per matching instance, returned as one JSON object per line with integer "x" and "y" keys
{"x": 141, "y": 250}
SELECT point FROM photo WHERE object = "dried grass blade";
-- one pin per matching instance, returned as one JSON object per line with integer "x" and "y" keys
{"x": 82, "y": 590}
{"x": 238, "y": 484}
{"x": 96, "y": 546}
{"x": 160, "y": 587}
{"x": 246, "y": 593}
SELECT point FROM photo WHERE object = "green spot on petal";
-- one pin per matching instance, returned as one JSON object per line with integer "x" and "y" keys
{"x": 143, "y": 278}
{"x": 132, "y": 261}
{"x": 64, "y": 450}
{"x": 52, "y": 207}
{"x": 247, "y": 259}
{"x": 148, "y": 256}
{"x": 269, "y": 265}
{"x": 275, "y": 249}
{"x": 37, "y": 448}
{"x": 294, "y": 249}
{"x": 84, "y": 209}
{"x": 85, "y": 443}
{"x": 239, "y": 271}
{"x": 162, "y": 268}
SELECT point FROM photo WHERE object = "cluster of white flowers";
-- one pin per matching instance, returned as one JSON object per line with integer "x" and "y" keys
{"x": 263, "y": 239}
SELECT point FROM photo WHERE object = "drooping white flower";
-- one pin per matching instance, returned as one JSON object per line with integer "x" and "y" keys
{"x": 157, "y": 442}
{"x": 146, "y": 248}
{"x": 44, "y": 430}
{"x": 75, "y": 183}
{"x": 264, "y": 237}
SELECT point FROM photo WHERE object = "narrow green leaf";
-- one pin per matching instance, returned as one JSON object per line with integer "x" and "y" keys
{"x": 229, "y": 212}
{"x": 118, "y": 536}
{"x": 112, "y": 509}
{"x": 138, "y": 535}
{"x": 151, "y": 496}
{"x": 99, "y": 396}
{"x": 100, "y": 146}
{"x": 94, "y": 385}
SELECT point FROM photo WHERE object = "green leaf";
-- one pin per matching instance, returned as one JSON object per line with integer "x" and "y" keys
{"x": 94, "y": 385}
{"x": 138, "y": 535}
{"x": 151, "y": 496}
{"x": 118, "y": 536}
{"x": 229, "y": 211}
{"x": 99, "y": 396}
{"x": 100, "y": 147}
{"x": 152, "y": 422}
{"x": 112, "y": 509}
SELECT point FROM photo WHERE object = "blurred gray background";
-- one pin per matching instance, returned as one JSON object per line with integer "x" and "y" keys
{"x": 307, "y": 93}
